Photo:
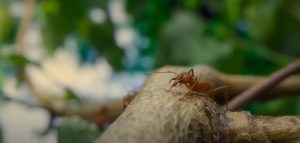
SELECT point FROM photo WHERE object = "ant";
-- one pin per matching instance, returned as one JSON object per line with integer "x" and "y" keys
{"x": 193, "y": 83}
{"x": 127, "y": 99}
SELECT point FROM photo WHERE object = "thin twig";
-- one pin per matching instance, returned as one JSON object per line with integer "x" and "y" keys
{"x": 25, "y": 23}
{"x": 23, "y": 28}
{"x": 264, "y": 86}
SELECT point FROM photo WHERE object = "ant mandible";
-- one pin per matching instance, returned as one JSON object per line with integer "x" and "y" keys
{"x": 193, "y": 83}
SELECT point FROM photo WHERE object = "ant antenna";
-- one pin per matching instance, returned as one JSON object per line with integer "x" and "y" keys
{"x": 162, "y": 72}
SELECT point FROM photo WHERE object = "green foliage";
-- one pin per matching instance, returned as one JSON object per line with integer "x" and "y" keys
{"x": 76, "y": 130}
{"x": 233, "y": 36}
{"x": 17, "y": 60}
{"x": 233, "y": 11}
{"x": 101, "y": 36}
{"x": 242, "y": 37}
{"x": 261, "y": 16}
{"x": 219, "y": 24}
{"x": 62, "y": 18}
{"x": 150, "y": 16}
{"x": 276, "y": 107}
{"x": 174, "y": 40}
{"x": 7, "y": 25}
{"x": 72, "y": 97}
{"x": 16, "y": 63}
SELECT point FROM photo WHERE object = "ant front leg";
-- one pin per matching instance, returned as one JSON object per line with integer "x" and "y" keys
{"x": 176, "y": 82}
{"x": 190, "y": 90}
{"x": 224, "y": 87}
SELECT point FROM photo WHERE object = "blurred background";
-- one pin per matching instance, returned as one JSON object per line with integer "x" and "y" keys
{"x": 67, "y": 64}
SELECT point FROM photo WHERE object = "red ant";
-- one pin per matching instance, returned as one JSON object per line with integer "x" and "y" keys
{"x": 127, "y": 99}
{"x": 193, "y": 83}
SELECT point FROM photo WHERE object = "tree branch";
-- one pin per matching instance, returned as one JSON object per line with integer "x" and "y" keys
{"x": 157, "y": 115}
{"x": 243, "y": 127}
{"x": 264, "y": 86}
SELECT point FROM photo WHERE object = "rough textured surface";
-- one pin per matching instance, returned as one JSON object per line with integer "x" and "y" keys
{"x": 158, "y": 116}
{"x": 262, "y": 129}
{"x": 187, "y": 118}
{"x": 235, "y": 83}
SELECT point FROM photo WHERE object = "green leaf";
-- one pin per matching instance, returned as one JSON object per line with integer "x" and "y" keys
{"x": 233, "y": 11}
{"x": 17, "y": 62}
{"x": 261, "y": 16}
{"x": 102, "y": 39}
{"x": 17, "y": 59}
{"x": 71, "y": 96}
{"x": 77, "y": 130}
{"x": 185, "y": 42}
{"x": 61, "y": 18}
{"x": 191, "y": 4}
{"x": 6, "y": 23}
{"x": 74, "y": 20}
{"x": 275, "y": 107}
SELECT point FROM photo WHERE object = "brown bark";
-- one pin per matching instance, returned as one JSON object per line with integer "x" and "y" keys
{"x": 157, "y": 115}
{"x": 264, "y": 86}
{"x": 95, "y": 111}
{"x": 235, "y": 83}
{"x": 238, "y": 83}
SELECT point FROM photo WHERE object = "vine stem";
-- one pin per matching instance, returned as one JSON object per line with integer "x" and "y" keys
{"x": 25, "y": 23}
{"x": 264, "y": 86}
{"x": 26, "y": 20}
